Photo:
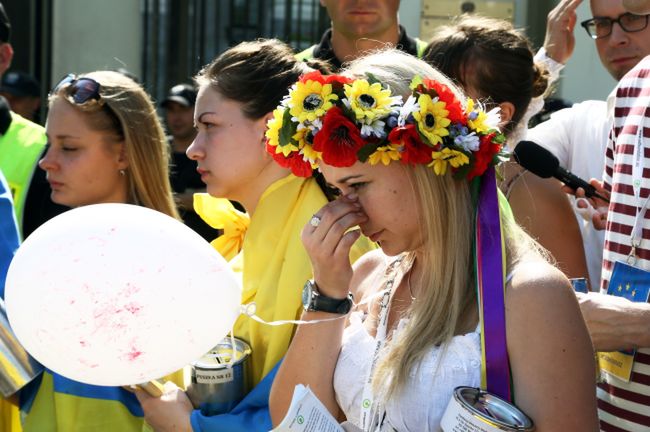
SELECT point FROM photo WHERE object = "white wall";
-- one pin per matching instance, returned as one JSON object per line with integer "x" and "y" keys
{"x": 96, "y": 34}
{"x": 585, "y": 77}
{"x": 409, "y": 16}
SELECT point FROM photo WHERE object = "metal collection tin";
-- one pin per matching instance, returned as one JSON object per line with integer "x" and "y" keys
{"x": 219, "y": 377}
{"x": 474, "y": 410}
{"x": 17, "y": 367}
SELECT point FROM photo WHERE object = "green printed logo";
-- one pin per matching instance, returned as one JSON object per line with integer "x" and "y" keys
{"x": 366, "y": 403}
{"x": 300, "y": 419}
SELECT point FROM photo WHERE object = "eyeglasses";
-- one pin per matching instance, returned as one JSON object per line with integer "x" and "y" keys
{"x": 600, "y": 27}
{"x": 81, "y": 90}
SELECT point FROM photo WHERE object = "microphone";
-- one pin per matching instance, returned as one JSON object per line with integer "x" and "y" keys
{"x": 544, "y": 164}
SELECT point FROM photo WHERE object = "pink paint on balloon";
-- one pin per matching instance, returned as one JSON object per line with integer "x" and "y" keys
{"x": 88, "y": 364}
{"x": 133, "y": 308}
{"x": 133, "y": 354}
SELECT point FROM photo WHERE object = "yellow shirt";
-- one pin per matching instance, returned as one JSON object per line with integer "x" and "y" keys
{"x": 273, "y": 263}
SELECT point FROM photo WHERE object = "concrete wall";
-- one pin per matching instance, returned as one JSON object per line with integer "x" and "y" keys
{"x": 96, "y": 34}
{"x": 409, "y": 16}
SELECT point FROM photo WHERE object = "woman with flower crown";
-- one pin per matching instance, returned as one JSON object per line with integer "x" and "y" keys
{"x": 455, "y": 282}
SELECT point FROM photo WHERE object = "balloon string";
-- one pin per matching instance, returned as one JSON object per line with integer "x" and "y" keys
{"x": 250, "y": 309}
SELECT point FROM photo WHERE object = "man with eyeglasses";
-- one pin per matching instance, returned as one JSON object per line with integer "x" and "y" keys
{"x": 578, "y": 135}
{"x": 616, "y": 323}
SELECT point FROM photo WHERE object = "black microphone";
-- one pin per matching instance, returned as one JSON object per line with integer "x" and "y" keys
{"x": 544, "y": 164}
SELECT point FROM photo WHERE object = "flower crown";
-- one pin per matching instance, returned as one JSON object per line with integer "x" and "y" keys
{"x": 341, "y": 121}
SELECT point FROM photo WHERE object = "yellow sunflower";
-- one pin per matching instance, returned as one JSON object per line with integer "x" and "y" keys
{"x": 476, "y": 118}
{"x": 432, "y": 119}
{"x": 368, "y": 101}
{"x": 286, "y": 149}
{"x": 446, "y": 156}
{"x": 305, "y": 145}
{"x": 385, "y": 154}
{"x": 311, "y": 100}
{"x": 273, "y": 127}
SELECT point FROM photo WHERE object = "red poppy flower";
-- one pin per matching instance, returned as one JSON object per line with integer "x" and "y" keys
{"x": 324, "y": 79}
{"x": 339, "y": 140}
{"x": 446, "y": 95}
{"x": 294, "y": 161}
{"x": 414, "y": 151}
{"x": 484, "y": 156}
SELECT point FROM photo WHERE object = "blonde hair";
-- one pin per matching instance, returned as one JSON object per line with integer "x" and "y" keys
{"x": 446, "y": 215}
{"x": 129, "y": 116}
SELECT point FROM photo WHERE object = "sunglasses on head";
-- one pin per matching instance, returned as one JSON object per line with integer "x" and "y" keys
{"x": 81, "y": 90}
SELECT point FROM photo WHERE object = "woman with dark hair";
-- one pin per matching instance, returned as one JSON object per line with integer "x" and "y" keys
{"x": 238, "y": 93}
{"x": 494, "y": 62}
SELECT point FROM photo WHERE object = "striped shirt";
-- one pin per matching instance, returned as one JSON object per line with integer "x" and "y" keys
{"x": 626, "y": 406}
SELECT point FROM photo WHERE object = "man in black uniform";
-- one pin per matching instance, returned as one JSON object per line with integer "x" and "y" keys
{"x": 185, "y": 180}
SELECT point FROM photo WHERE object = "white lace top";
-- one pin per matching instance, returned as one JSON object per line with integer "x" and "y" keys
{"x": 429, "y": 390}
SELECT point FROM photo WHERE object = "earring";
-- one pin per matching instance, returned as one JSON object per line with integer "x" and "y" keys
{"x": 122, "y": 172}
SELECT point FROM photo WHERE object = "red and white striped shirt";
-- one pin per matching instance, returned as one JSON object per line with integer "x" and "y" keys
{"x": 625, "y": 406}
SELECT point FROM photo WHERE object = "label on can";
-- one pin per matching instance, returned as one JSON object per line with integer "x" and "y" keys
{"x": 213, "y": 376}
{"x": 458, "y": 419}
{"x": 473, "y": 410}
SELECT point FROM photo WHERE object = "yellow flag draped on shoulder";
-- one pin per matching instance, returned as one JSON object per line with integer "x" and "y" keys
{"x": 273, "y": 264}
{"x": 219, "y": 213}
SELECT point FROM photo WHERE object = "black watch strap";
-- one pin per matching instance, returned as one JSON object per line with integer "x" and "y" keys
{"x": 322, "y": 303}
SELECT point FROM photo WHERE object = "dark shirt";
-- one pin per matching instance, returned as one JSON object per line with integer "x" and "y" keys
{"x": 39, "y": 207}
{"x": 183, "y": 176}
{"x": 324, "y": 50}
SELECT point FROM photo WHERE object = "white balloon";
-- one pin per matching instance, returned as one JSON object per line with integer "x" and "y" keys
{"x": 117, "y": 294}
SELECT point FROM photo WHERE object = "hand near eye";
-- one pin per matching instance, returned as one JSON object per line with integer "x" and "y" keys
{"x": 328, "y": 240}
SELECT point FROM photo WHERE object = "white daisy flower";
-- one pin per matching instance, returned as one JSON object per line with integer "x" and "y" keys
{"x": 376, "y": 128}
{"x": 493, "y": 118}
{"x": 410, "y": 106}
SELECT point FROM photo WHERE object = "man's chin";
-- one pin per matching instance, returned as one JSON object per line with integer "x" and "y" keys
{"x": 619, "y": 69}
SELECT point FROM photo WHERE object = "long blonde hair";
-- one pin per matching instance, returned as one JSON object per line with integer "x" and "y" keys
{"x": 446, "y": 214}
{"x": 131, "y": 118}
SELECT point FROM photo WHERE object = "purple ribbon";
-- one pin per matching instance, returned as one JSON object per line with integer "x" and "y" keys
{"x": 489, "y": 257}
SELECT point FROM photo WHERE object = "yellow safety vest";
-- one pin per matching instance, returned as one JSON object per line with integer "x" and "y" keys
{"x": 20, "y": 148}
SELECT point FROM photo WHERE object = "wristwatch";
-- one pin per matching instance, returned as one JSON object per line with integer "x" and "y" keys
{"x": 312, "y": 300}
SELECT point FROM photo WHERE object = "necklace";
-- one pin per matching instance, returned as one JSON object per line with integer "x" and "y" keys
{"x": 408, "y": 283}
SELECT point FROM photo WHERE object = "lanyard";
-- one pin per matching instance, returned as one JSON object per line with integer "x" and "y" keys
{"x": 370, "y": 409}
{"x": 637, "y": 176}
